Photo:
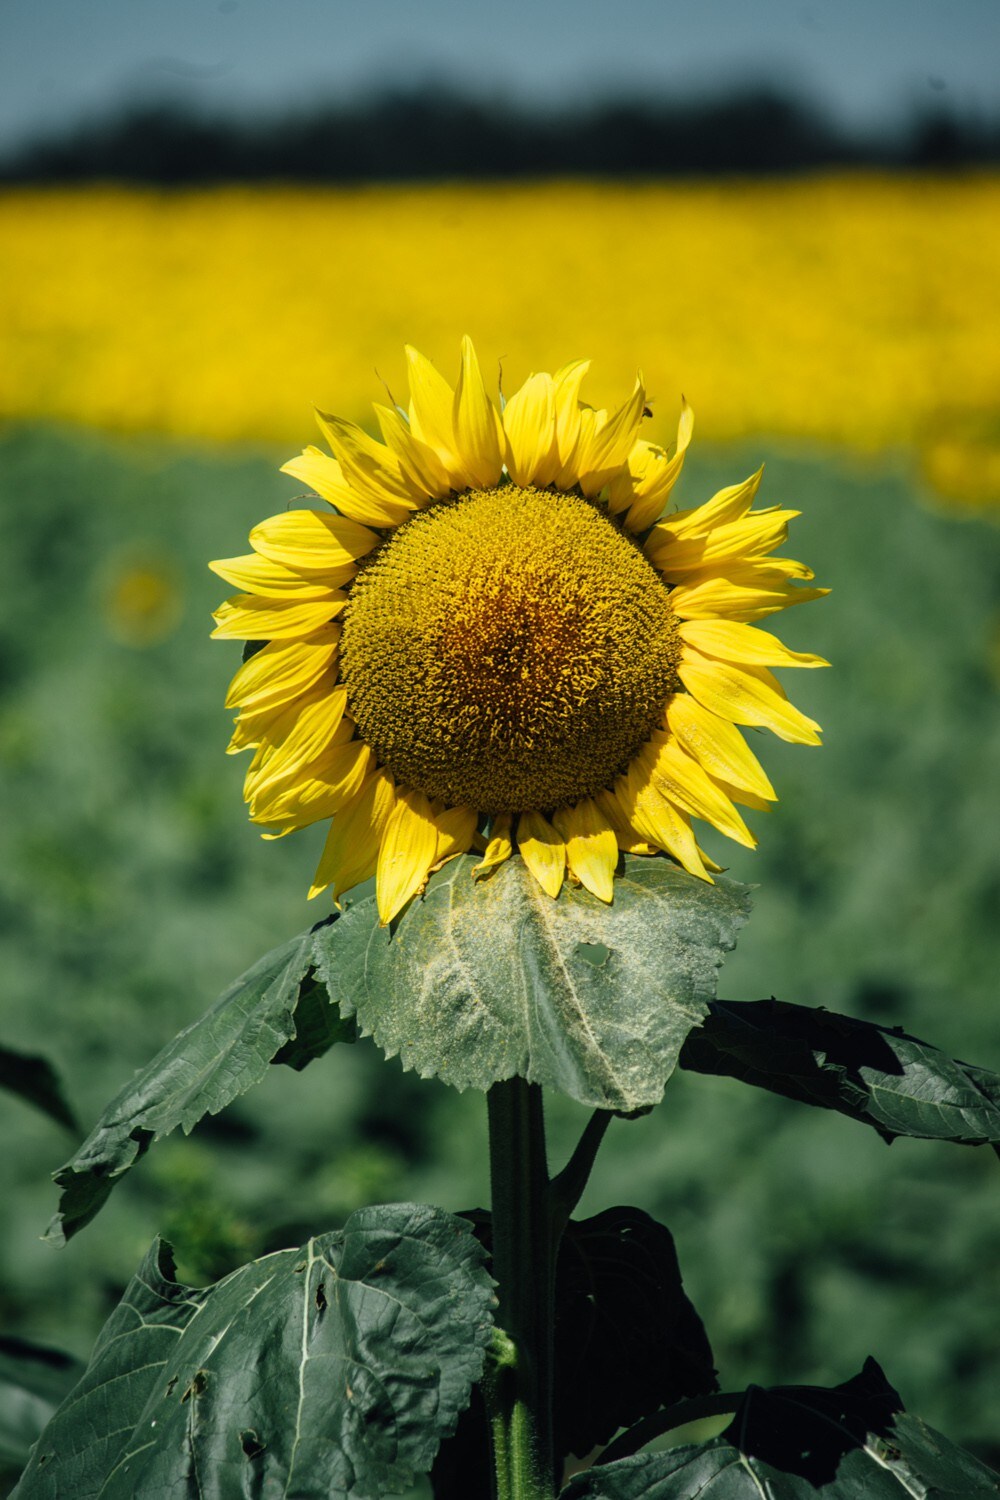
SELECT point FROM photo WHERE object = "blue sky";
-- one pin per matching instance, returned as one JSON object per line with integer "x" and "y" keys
{"x": 866, "y": 61}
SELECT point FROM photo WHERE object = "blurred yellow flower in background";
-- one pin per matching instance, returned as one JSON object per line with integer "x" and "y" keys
{"x": 141, "y": 597}
{"x": 496, "y": 639}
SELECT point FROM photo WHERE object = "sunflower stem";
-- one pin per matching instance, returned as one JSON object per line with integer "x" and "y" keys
{"x": 519, "y": 1390}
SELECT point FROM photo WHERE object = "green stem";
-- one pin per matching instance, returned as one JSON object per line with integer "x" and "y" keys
{"x": 519, "y": 1390}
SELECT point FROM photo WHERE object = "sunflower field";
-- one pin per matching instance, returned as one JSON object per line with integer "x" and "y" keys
{"x": 162, "y": 354}
{"x": 858, "y": 310}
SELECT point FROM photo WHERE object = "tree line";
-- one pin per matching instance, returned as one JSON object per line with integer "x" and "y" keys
{"x": 440, "y": 135}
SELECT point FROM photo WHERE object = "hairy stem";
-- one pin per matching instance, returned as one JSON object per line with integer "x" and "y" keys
{"x": 519, "y": 1392}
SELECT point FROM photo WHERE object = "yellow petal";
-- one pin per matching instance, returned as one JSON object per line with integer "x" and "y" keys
{"x": 624, "y": 487}
{"x": 267, "y": 725}
{"x": 542, "y": 850}
{"x": 683, "y": 782}
{"x": 247, "y": 618}
{"x": 591, "y": 846}
{"x": 499, "y": 847}
{"x": 655, "y": 818}
{"x": 627, "y": 836}
{"x": 746, "y": 695}
{"x": 726, "y": 506}
{"x": 710, "y": 864}
{"x": 456, "y": 829}
{"x": 529, "y": 420}
{"x": 612, "y": 441}
{"x": 272, "y": 580}
{"x": 566, "y": 389}
{"x": 280, "y": 673}
{"x": 742, "y": 796}
{"x": 324, "y": 475}
{"x": 734, "y": 641}
{"x": 295, "y": 738}
{"x": 755, "y": 572}
{"x": 269, "y": 728}
{"x": 754, "y": 536}
{"x": 322, "y": 790}
{"x": 371, "y": 469}
{"x": 350, "y": 854}
{"x": 246, "y": 735}
{"x": 747, "y": 596}
{"x": 647, "y": 493}
{"x": 478, "y": 433}
{"x": 406, "y": 853}
{"x": 312, "y": 541}
{"x": 717, "y": 745}
{"x": 426, "y": 473}
{"x": 432, "y": 403}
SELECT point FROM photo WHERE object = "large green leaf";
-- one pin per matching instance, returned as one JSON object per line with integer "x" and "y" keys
{"x": 325, "y": 1372}
{"x": 34, "y": 1080}
{"x": 854, "y": 1442}
{"x": 485, "y": 980}
{"x": 203, "y": 1069}
{"x": 892, "y": 1081}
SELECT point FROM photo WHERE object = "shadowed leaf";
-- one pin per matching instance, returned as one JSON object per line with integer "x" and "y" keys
{"x": 883, "y": 1077}
{"x": 325, "y": 1372}
{"x": 318, "y": 1027}
{"x": 621, "y": 1307}
{"x": 853, "y": 1442}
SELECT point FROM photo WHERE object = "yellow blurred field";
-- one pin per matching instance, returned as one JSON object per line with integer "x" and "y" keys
{"x": 861, "y": 309}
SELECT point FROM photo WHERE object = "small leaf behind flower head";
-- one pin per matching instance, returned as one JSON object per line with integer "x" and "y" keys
{"x": 484, "y": 980}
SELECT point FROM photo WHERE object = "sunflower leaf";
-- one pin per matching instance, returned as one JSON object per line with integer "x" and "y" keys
{"x": 332, "y": 1370}
{"x": 203, "y": 1069}
{"x": 318, "y": 1027}
{"x": 881, "y": 1076}
{"x": 854, "y": 1442}
{"x": 484, "y": 980}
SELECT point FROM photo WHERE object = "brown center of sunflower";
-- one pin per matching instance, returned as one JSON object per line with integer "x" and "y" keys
{"x": 511, "y": 649}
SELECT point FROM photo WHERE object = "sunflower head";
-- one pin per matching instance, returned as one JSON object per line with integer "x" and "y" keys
{"x": 485, "y": 633}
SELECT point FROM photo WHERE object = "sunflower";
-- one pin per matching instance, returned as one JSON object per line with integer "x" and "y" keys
{"x": 492, "y": 638}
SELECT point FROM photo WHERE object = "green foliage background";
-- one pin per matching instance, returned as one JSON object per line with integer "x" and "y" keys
{"x": 132, "y": 889}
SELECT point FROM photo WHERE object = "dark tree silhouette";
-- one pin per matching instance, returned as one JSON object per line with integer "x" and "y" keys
{"x": 438, "y": 134}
